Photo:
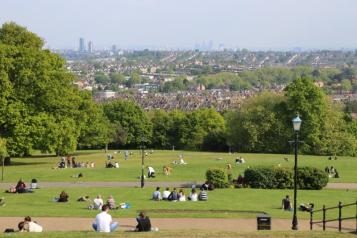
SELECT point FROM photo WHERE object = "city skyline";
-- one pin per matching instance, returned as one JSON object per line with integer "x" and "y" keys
{"x": 159, "y": 24}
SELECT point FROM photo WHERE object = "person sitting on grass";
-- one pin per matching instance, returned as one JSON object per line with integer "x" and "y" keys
{"x": 181, "y": 196}
{"x": 63, "y": 197}
{"x": 32, "y": 226}
{"x": 97, "y": 203}
{"x": 173, "y": 197}
{"x": 156, "y": 196}
{"x": 286, "y": 204}
{"x": 104, "y": 222}
{"x": 193, "y": 195}
{"x": 33, "y": 184}
{"x": 21, "y": 187}
{"x": 202, "y": 196}
{"x": 166, "y": 194}
{"x": 111, "y": 203}
{"x": 144, "y": 223}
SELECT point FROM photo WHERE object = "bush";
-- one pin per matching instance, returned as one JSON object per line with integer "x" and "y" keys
{"x": 217, "y": 177}
{"x": 311, "y": 178}
{"x": 281, "y": 178}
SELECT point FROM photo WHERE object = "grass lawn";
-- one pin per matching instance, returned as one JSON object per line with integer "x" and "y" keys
{"x": 40, "y": 167}
{"x": 222, "y": 203}
{"x": 187, "y": 234}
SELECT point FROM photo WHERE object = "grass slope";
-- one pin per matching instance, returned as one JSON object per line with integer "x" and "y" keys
{"x": 40, "y": 167}
{"x": 230, "y": 203}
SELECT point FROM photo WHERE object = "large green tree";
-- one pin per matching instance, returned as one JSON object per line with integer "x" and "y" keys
{"x": 40, "y": 107}
{"x": 131, "y": 119}
{"x": 258, "y": 125}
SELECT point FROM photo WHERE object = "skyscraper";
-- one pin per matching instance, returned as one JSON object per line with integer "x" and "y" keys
{"x": 82, "y": 46}
{"x": 90, "y": 47}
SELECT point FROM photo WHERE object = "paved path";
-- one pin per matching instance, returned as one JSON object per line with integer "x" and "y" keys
{"x": 147, "y": 184}
{"x": 217, "y": 224}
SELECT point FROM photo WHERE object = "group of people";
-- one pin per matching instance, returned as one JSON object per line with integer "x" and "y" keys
{"x": 27, "y": 225}
{"x": 21, "y": 187}
{"x": 179, "y": 196}
{"x": 70, "y": 162}
{"x": 332, "y": 172}
{"x": 104, "y": 222}
{"x": 286, "y": 205}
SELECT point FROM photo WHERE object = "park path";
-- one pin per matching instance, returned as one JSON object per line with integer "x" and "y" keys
{"x": 216, "y": 224}
{"x": 147, "y": 184}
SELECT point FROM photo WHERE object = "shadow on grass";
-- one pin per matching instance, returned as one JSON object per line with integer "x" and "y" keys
{"x": 171, "y": 211}
{"x": 17, "y": 163}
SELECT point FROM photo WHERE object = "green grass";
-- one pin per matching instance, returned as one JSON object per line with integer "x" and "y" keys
{"x": 230, "y": 202}
{"x": 198, "y": 163}
{"x": 187, "y": 234}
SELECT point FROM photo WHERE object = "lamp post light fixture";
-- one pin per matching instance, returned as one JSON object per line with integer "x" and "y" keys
{"x": 296, "y": 124}
{"x": 142, "y": 183}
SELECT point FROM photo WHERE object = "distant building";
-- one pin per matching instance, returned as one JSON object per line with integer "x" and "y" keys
{"x": 114, "y": 49}
{"x": 82, "y": 46}
{"x": 90, "y": 47}
{"x": 105, "y": 94}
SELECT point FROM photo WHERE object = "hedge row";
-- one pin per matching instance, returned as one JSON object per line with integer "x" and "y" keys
{"x": 280, "y": 178}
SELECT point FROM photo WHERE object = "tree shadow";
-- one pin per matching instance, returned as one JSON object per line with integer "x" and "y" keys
{"x": 17, "y": 163}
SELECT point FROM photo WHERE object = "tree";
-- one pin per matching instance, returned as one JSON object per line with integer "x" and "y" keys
{"x": 39, "y": 106}
{"x": 306, "y": 99}
{"x": 346, "y": 85}
{"x": 258, "y": 126}
{"x": 117, "y": 78}
{"x": 135, "y": 78}
{"x": 161, "y": 122}
{"x": 3, "y": 154}
{"x": 101, "y": 78}
{"x": 131, "y": 118}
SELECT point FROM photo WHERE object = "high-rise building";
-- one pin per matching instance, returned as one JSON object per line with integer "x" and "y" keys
{"x": 90, "y": 47}
{"x": 114, "y": 48}
{"x": 82, "y": 46}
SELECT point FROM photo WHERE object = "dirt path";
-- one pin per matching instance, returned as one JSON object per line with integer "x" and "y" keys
{"x": 147, "y": 184}
{"x": 217, "y": 224}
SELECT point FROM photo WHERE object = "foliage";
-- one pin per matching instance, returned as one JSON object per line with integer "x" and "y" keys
{"x": 258, "y": 125}
{"x": 281, "y": 178}
{"x": 131, "y": 118}
{"x": 217, "y": 177}
{"x": 3, "y": 150}
{"x": 40, "y": 107}
{"x": 101, "y": 78}
{"x": 311, "y": 178}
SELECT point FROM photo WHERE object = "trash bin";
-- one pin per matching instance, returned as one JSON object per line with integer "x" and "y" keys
{"x": 263, "y": 222}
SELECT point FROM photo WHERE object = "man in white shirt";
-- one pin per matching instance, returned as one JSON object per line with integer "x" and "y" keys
{"x": 166, "y": 194}
{"x": 31, "y": 226}
{"x": 151, "y": 172}
{"x": 104, "y": 222}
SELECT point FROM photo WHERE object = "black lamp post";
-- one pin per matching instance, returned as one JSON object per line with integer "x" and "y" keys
{"x": 296, "y": 123}
{"x": 142, "y": 162}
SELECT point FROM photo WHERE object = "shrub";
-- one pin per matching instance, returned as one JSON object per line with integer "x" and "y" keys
{"x": 217, "y": 177}
{"x": 311, "y": 178}
{"x": 267, "y": 177}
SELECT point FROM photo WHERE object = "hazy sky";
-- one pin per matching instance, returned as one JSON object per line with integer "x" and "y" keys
{"x": 252, "y": 24}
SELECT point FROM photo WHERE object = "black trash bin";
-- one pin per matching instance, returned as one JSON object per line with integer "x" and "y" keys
{"x": 263, "y": 222}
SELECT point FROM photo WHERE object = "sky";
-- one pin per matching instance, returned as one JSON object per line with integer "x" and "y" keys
{"x": 169, "y": 24}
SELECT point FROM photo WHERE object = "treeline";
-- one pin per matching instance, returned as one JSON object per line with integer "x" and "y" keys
{"x": 334, "y": 79}
{"x": 261, "y": 124}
